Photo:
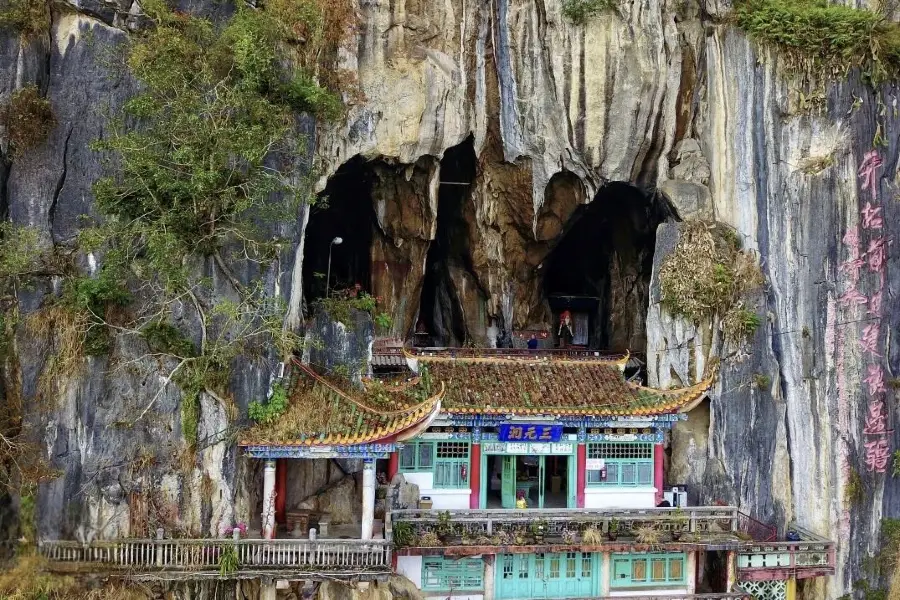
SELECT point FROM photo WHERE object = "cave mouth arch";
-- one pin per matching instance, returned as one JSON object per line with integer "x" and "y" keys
{"x": 344, "y": 209}
{"x": 448, "y": 265}
{"x": 600, "y": 269}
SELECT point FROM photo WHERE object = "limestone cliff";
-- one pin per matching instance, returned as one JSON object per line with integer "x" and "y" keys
{"x": 482, "y": 130}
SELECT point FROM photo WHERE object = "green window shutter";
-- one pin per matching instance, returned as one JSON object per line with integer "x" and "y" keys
{"x": 627, "y": 463}
{"x": 444, "y": 574}
{"x": 451, "y": 465}
{"x": 656, "y": 569}
{"x": 417, "y": 456}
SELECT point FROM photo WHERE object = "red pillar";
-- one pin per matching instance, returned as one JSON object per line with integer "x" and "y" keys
{"x": 280, "y": 490}
{"x": 658, "y": 453}
{"x": 475, "y": 477}
{"x": 581, "y": 475}
{"x": 393, "y": 465}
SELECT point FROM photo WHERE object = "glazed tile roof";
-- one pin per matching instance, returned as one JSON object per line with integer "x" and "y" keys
{"x": 324, "y": 412}
{"x": 553, "y": 387}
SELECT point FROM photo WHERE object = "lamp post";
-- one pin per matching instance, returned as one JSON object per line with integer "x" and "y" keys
{"x": 335, "y": 241}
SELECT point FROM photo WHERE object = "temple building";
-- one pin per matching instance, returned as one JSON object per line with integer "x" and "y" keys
{"x": 515, "y": 474}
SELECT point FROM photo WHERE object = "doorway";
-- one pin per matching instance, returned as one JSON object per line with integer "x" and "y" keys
{"x": 543, "y": 481}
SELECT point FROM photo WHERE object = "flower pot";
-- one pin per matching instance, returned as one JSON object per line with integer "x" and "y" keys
{"x": 613, "y": 535}
{"x": 676, "y": 535}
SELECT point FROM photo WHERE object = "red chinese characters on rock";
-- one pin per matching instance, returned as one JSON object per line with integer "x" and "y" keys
{"x": 877, "y": 454}
{"x": 874, "y": 259}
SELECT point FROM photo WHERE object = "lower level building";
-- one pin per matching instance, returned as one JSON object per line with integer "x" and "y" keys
{"x": 552, "y": 575}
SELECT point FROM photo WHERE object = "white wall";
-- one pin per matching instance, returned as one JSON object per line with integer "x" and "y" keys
{"x": 411, "y": 568}
{"x": 620, "y": 497}
{"x": 442, "y": 499}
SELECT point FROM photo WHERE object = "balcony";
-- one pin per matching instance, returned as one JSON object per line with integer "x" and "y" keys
{"x": 215, "y": 558}
{"x": 472, "y": 532}
{"x": 812, "y": 556}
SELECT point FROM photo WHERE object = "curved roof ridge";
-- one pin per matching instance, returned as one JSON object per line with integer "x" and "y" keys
{"x": 358, "y": 403}
{"x": 515, "y": 358}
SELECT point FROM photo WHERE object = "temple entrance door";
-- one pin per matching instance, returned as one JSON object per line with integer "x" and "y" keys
{"x": 541, "y": 473}
{"x": 508, "y": 482}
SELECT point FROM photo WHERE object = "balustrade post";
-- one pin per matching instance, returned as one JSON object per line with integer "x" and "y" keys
{"x": 160, "y": 550}
{"x": 268, "y": 514}
{"x": 368, "y": 499}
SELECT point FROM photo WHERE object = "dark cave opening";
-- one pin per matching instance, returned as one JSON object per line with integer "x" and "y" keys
{"x": 600, "y": 270}
{"x": 440, "y": 307}
{"x": 343, "y": 210}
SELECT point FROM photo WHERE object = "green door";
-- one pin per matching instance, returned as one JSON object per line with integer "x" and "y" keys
{"x": 541, "y": 472}
{"x": 508, "y": 482}
{"x": 547, "y": 575}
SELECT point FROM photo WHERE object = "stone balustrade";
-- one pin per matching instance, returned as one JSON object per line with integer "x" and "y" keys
{"x": 714, "y": 525}
{"x": 812, "y": 556}
{"x": 224, "y": 556}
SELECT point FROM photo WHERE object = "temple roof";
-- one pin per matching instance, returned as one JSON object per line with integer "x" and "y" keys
{"x": 551, "y": 386}
{"x": 325, "y": 411}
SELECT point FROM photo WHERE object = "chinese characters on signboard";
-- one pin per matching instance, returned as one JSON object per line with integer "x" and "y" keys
{"x": 864, "y": 272}
{"x": 529, "y": 433}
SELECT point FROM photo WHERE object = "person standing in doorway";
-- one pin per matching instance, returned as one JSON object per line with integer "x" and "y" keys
{"x": 532, "y": 342}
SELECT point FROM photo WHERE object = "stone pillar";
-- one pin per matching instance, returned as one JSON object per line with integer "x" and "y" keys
{"x": 368, "y": 498}
{"x": 605, "y": 572}
{"x": 268, "y": 512}
{"x": 475, "y": 472}
{"x": 701, "y": 567}
{"x": 658, "y": 454}
{"x": 393, "y": 464}
{"x": 490, "y": 564}
{"x": 730, "y": 571}
{"x": 268, "y": 590}
{"x": 281, "y": 490}
{"x": 690, "y": 567}
{"x": 581, "y": 468}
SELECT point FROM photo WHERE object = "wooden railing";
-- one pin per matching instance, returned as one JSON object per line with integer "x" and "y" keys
{"x": 812, "y": 556}
{"x": 333, "y": 556}
{"x": 474, "y": 524}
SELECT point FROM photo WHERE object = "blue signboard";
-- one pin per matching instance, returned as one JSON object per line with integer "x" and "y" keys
{"x": 529, "y": 433}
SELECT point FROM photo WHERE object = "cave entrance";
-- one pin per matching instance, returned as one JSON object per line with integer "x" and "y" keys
{"x": 600, "y": 270}
{"x": 449, "y": 288}
{"x": 344, "y": 209}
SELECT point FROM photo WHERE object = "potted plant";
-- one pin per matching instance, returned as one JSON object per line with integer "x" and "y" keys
{"x": 444, "y": 526}
{"x": 591, "y": 536}
{"x": 679, "y": 523}
{"x": 613, "y": 530}
{"x": 568, "y": 536}
{"x": 539, "y": 530}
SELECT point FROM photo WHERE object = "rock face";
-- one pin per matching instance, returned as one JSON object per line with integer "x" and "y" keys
{"x": 487, "y": 127}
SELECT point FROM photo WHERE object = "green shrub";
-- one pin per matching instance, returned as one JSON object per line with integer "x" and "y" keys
{"x": 580, "y": 11}
{"x": 27, "y": 17}
{"x": 815, "y": 34}
{"x": 28, "y": 118}
{"x": 268, "y": 412}
{"x": 708, "y": 275}
{"x": 168, "y": 339}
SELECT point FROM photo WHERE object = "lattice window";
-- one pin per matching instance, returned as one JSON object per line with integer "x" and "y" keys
{"x": 417, "y": 456}
{"x": 444, "y": 574}
{"x": 626, "y": 463}
{"x": 644, "y": 569}
{"x": 766, "y": 590}
{"x": 451, "y": 465}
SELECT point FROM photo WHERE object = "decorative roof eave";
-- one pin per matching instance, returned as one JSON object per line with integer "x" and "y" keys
{"x": 424, "y": 412}
{"x": 692, "y": 396}
{"x": 533, "y": 357}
